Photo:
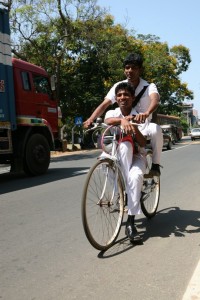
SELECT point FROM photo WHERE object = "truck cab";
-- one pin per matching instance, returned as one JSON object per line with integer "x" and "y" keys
{"x": 33, "y": 95}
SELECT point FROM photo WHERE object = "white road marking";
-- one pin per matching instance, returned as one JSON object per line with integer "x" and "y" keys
{"x": 174, "y": 148}
{"x": 193, "y": 290}
{"x": 82, "y": 171}
{"x": 189, "y": 144}
{"x": 182, "y": 147}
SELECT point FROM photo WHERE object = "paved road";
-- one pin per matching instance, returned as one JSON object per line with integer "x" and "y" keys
{"x": 45, "y": 255}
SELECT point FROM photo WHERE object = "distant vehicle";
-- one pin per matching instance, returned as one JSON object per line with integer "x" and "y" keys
{"x": 171, "y": 131}
{"x": 195, "y": 134}
{"x": 167, "y": 141}
{"x": 173, "y": 121}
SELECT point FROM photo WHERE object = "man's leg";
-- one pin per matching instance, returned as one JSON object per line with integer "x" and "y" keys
{"x": 155, "y": 133}
{"x": 134, "y": 184}
{"x": 134, "y": 187}
{"x": 126, "y": 159}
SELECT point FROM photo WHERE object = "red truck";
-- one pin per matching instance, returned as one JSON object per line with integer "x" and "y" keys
{"x": 29, "y": 112}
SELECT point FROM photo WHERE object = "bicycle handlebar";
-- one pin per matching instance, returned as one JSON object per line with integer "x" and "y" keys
{"x": 100, "y": 124}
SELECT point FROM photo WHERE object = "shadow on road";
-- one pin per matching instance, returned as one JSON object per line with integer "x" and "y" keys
{"x": 15, "y": 182}
{"x": 171, "y": 221}
{"x": 120, "y": 246}
{"x": 10, "y": 182}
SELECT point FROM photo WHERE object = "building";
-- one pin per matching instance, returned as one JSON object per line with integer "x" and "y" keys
{"x": 191, "y": 114}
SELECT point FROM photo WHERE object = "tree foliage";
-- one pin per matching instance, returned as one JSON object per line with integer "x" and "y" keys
{"x": 80, "y": 43}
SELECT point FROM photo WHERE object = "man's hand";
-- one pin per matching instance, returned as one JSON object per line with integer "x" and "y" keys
{"x": 127, "y": 126}
{"x": 87, "y": 123}
{"x": 140, "y": 118}
{"x": 129, "y": 118}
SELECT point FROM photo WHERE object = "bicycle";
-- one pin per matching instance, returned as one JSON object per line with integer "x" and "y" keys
{"x": 104, "y": 197}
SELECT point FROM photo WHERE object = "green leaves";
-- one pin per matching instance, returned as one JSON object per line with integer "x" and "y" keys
{"x": 80, "y": 43}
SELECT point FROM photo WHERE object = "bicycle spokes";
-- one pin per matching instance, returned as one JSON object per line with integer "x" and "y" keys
{"x": 102, "y": 205}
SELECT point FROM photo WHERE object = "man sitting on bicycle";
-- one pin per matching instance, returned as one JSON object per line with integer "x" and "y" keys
{"x": 132, "y": 158}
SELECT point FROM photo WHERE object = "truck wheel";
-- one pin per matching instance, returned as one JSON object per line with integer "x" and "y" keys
{"x": 37, "y": 155}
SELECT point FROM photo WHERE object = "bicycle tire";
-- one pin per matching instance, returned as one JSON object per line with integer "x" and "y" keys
{"x": 149, "y": 160}
{"x": 101, "y": 215}
{"x": 150, "y": 200}
{"x": 150, "y": 192}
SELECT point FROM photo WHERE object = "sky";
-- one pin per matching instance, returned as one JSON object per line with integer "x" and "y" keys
{"x": 176, "y": 22}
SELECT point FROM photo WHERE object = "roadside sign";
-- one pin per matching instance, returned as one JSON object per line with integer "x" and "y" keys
{"x": 78, "y": 120}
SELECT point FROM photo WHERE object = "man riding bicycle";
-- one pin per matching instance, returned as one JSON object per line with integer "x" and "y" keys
{"x": 132, "y": 160}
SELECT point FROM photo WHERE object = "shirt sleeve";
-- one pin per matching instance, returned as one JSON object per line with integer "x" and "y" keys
{"x": 111, "y": 94}
{"x": 153, "y": 89}
{"x": 110, "y": 114}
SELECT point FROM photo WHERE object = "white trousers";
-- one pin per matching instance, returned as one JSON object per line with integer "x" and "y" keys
{"x": 154, "y": 131}
{"x": 133, "y": 167}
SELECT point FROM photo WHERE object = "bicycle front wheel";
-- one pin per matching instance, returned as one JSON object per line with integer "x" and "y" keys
{"x": 150, "y": 196}
{"x": 102, "y": 204}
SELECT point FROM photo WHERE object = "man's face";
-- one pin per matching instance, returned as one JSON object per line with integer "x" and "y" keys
{"x": 124, "y": 99}
{"x": 132, "y": 72}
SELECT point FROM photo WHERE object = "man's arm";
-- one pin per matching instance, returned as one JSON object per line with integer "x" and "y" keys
{"x": 155, "y": 98}
{"x": 128, "y": 128}
{"x": 98, "y": 112}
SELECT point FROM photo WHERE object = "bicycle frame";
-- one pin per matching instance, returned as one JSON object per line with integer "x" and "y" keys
{"x": 114, "y": 156}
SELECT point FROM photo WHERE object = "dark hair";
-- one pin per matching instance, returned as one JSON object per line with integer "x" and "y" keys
{"x": 133, "y": 59}
{"x": 125, "y": 86}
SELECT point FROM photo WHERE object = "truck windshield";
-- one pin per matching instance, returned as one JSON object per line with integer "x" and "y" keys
{"x": 42, "y": 85}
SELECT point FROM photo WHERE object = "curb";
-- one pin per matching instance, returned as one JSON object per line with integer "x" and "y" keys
{"x": 70, "y": 152}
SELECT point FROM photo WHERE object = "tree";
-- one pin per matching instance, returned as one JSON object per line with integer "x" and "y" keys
{"x": 163, "y": 66}
{"x": 82, "y": 45}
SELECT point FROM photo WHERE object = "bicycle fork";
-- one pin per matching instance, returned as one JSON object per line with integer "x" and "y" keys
{"x": 108, "y": 202}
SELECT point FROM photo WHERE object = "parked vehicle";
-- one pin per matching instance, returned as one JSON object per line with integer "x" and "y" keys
{"x": 174, "y": 122}
{"x": 195, "y": 134}
{"x": 170, "y": 130}
{"x": 167, "y": 141}
{"x": 29, "y": 112}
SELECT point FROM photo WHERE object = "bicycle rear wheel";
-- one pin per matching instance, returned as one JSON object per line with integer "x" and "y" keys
{"x": 150, "y": 196}
{"x": 102, "y": 204}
